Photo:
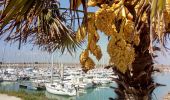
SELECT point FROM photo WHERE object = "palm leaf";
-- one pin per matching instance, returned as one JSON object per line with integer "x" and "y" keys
{"x": 74, "y": 4}
{"x": 37, "y": 21}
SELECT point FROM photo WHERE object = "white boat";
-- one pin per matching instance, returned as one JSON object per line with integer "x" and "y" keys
{"x": 60, "y": 89}
{"x": 39, "y": 84}
{"x": 85, "y": 85}
{"x": 11, "y": 71}
{"x": 102, "y": 80}
{"x": 9, "y": 78}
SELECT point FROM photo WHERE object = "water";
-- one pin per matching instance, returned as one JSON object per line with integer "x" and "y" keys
{"x": 160, "y": 92}
{"x": 92, "y": 94}
{"x": 100, "y": 93}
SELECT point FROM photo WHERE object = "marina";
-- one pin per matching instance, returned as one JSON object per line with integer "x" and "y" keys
{"x": 68, "y": 82}
{"x": 84, "y": 49}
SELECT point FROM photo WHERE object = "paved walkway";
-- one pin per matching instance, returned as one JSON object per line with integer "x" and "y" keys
{"x": 6, "y": 97}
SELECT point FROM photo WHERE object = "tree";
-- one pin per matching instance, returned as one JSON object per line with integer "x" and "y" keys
{"x": 36, "y": 21}
{"x": 130, "y": 25}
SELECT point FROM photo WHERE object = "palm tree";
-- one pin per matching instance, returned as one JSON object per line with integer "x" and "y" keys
{"x": 36, "y": 21}
{"x": 130, "y": 25}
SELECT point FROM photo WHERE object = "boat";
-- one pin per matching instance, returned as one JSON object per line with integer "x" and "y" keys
{"x": 23, "y": 78}
{"x": 59, "y": 88}
{"x": 9, "y": 78}
{"x": 24, "y": 86}
{"x": 39, "y": 84}
{"x": 1, "y": 79}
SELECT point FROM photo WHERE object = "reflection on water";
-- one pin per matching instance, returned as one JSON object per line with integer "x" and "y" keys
{"x": 100, "y": 93}
{"x": 9, "y": 86}
{"x": 160, "y": 92}
{"x": 57, "y": 97}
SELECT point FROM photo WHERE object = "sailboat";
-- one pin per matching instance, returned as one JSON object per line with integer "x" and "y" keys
{"x": 59, "y": 88}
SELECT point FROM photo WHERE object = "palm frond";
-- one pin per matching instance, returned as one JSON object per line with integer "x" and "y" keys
{"x": 37, "y": 21}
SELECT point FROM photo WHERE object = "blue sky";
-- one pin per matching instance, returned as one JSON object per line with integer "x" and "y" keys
{"x": 28, "y": 53}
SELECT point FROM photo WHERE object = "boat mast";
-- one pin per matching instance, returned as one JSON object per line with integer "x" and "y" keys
{"x": 61, "y": 72}
{"x": 52, "y": 65}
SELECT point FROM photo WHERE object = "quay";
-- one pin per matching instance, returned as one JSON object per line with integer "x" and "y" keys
{"x": 36, "y": 64}
{"x": 42, "y": 65}
{"x": 162, "y": 68}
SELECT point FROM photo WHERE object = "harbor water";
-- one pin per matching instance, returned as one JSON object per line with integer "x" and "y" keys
{"x": 99, "y": 93}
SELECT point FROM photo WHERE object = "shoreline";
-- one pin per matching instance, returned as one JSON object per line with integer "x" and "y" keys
{"x": 167, "y": 97}
{"x": 7, "y": 97}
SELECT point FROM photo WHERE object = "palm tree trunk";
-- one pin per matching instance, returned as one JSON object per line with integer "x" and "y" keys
{"x": 137, "y": 83}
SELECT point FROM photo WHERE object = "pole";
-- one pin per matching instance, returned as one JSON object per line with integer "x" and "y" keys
{"x": 52, "y": 64}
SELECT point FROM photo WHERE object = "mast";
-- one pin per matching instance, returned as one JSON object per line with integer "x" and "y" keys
{"x": 61, "y": 71}
{"x": 52, "y": 65}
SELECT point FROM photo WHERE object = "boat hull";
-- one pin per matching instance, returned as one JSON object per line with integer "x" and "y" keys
{"x": 54, "y": 90}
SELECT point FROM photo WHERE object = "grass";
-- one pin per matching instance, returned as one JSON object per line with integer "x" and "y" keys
{"x": 25, "y": 95}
